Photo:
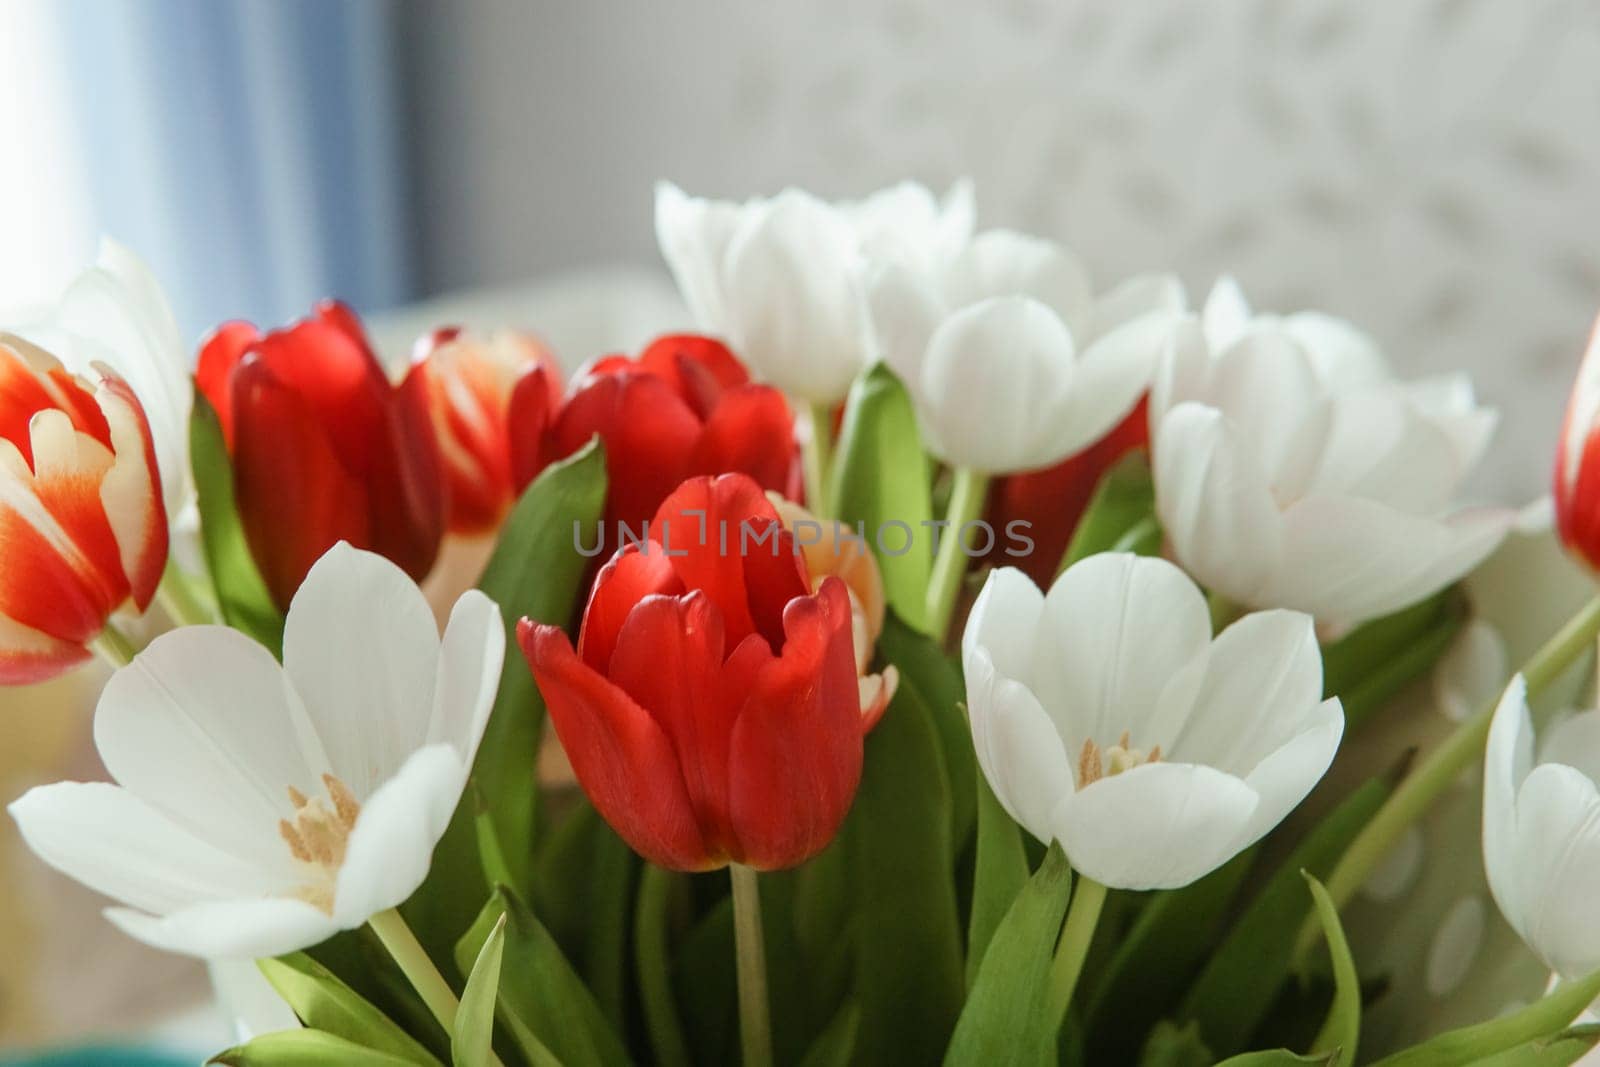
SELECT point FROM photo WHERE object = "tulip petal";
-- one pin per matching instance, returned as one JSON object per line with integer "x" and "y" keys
{"x": 1557, "y": 863}
{"x": 471, "y": 656}
{"x": 1265, "y": 385}
{"x": 244, "y": 929}
{"x": 130, "y": 492}
{"x": 1112, "y": 373}
{"x": 1005, "y": 622}
{"x": 391, "y": 846}
{"x": 28, "y": 655}
{"x": 1574, "y": 740}
{"x": 796, "y": 748}
{"x": 905, "y": 310}
{"x": 362, "y": 650}
{"x": 220, "y": 355}
{"x": 1007, "y": 263}
{"x": 750, "y": 431}
{"x": 215, "y": 703}
{"x": 621, "y": 757}
{"x": 694, "y": 235}
{"x": 1017, "y": 746}
{"x": 1284, "y": 777}
{"x": 1136, "y": 297}
{"x": 1156, "y": 826}
{"x": 637, "y": 570}
{"x": 1508, "y": 757}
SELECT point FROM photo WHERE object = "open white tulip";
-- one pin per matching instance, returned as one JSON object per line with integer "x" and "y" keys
{"x": 1010, "y": 361}
{"x": 260, "y": 809}
{"x": 1541, "y": 831}
{"x": 1292, "y": 471}
{"x": 1106, "y": 718}
{"x": 781, "y": 278}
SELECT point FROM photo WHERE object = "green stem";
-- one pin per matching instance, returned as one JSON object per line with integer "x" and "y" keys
{"x": 755, "y": 1025}
{"x": 817, "y": 457}
{"x": 967, "y": 493}
{"x": 1087, "y": 899}
{"x": 1434, "y": 773}
{"x": 113, "y": 646}
{"x": 419, "y": 970}
{"x": 178, "y": 597}
{"x": 655, "y": 977}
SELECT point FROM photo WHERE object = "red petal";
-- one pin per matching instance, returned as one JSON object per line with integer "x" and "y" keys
{"x": 621, "y": 757}
{"x": 795, "y": 759}
{"x": 28, "y": 656}
{"x": 296, "y": 498}
{"x": 338, "y": 378}
{"x": 219, "y": 358}
{"x": 31, "y": 381}
{"x": 668, "y": 658}
{"x": 407, "y": 489}
{"x": 130, "y": 492}
{"x": 535, "y": 399}
{"x": 703, "y": 526}
{"x": 750, "y": 431}
{"x": 700, "y": 369}
{"x": 635, "y": 572}
{"x": 39, "y": 587}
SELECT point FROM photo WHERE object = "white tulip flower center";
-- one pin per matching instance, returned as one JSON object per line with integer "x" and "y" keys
{"x": 318, "y": 836}
{"x": 1095, "y": 763}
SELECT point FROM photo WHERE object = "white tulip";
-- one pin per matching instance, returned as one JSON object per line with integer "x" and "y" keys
{"x": 260, "y": 809}
{"x": 1010, "y": 361}
{"x": 115, "y": 313}
{"x": 781, "y": 278}
{"x": 1106, "y": 718}
{"x": 1292, "y": 471}
{"x": 1541, "y": 831}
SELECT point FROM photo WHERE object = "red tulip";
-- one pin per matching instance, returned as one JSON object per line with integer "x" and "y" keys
{"x": 711, "y": 710}
{"x": 324, "y": 448}
{"x": 83, "y": 530}
{"x": 685, "y": 407}
{"x": 469, "y": 382}
{"x": 1052, "y": 501}
{"x": 1577, "y": 473}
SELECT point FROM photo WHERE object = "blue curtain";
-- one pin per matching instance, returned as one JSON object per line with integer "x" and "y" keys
{"x": 251, "y": 150}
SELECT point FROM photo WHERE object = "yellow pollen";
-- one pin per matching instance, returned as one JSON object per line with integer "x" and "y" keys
{"x": 1095, "y": 763}
{"x": 318, "y": 836}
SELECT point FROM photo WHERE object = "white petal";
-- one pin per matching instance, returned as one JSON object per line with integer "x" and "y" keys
{"x": 1017, "y": 747}
{"x": 1116, "y": 627}
{"x": 1215, "y": 506}
{"x": 1508, "y": 757}
{"x": 1157, "y": 826}
{"x": 1449, "y": 402}
{"x": 470, "y": 660}
{"x": 1004, "y": 622}
{"x": 204, "y": 726}
{"x": 1110, "y": 377}
{"x": 1381, "y": 447}
{"x": 1574, "y": 740}
{"x": 230, "y": 929}
{"x": 1347, "y": 560}
{"x": 1264, "y": 384}
{"x": 362, "y": 650}
{"x": 248, "y": 1000}
{"x": 793, "y": 288}
{"x": 1006, "y": 263}
{"x": 392, "y": 844}
{"x": 1284, "y": 777}
{"x": 1345, "y": 357}
{"x": 905, "y": 310}
{"x": 118, "y": 845}
{"x": 995, "y": 382}
{"x": 1558, "y": 866}
{"x": 1137, "y": 297}
{"x": 694, "y": 235}
{"x": 1226, "y": 314}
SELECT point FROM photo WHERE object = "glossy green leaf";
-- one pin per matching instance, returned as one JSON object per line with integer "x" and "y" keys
{"x": 703, "y": 976}
{"x": 473, "y": 1039}
{"x": 1278, "y": 1057}
{"x": 999, "y": 873}
{"x": 323, "y": 1002}
{"x": 881, "y": 480}
{"x": 1341, "y": 1030}
{"x": 307, "y": 1048}
{"x": 1558, "y": 1050}
{"x": 652, "y": 957}
{"x": 908, "y": 963}
{"x": 1006, "y": 1019}
{"x": 544, "y": 1004}
{"x": 242, "y": 595}
{"x": 1236, "y": 989}
{"x": 1377, "y": 659}
{"x": 1170, "y": 1045}
{"x": 609, "y": 892}
{"x": 1543, "y": 1019}
{"x": 1155, "y": 959}
{"x": 936, "y": 679}
{"x": 1121, "y": 516}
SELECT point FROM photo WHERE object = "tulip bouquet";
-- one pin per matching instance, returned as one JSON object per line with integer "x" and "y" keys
{"x": 935, "y": 659}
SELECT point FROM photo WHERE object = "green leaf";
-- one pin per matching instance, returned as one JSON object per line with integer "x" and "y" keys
{"x": 534, "y": 571}
{"x": 881, "y": 479}
{"x": 1155, "y": 959}
{"x": 325, "y": 1003}
{"x": 908, "y": 967}
{"x": 835, "y": 1045}
{"x": 1236, "y": 989}
{"x": 703, "y": 976}
{"x": 605, "y": 948}
{"x": 544, "y": 1004}
{"x": 1341, "y": 1030}
{"x": 1170, "y": 1045}
{"x": 1377, "y": 659}
{"x": 654, "y": 971}
{"x": 936, "y": 679}
{"x": 1121, "y": 516}
{"x": 1543, "y": 1019}
{"x": 473, "y": 1039}
{"x": 1006, "y": 1019}
{"x": 307, "y": 1048}
{"x": 999, "y": 873}
{"x": 1278, "y": 1057}
{"x": 241, "y": 593}
{"x": 1558, "y": 1050}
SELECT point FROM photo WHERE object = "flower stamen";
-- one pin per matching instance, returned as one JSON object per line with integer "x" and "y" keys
{"x": 319, "y": 836}
{"x": 1095, "y": 763}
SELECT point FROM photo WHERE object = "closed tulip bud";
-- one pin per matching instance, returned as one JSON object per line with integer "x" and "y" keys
{"x": 711, "y": 709}
{"x": 469, "y": 382}
{"x": 1577, "y": 473}
{"x": 324, "y": 448}
{"x": 82, "y": 521}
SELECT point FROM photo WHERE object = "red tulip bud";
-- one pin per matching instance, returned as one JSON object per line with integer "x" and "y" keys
{"x": 1577, "y": 473}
